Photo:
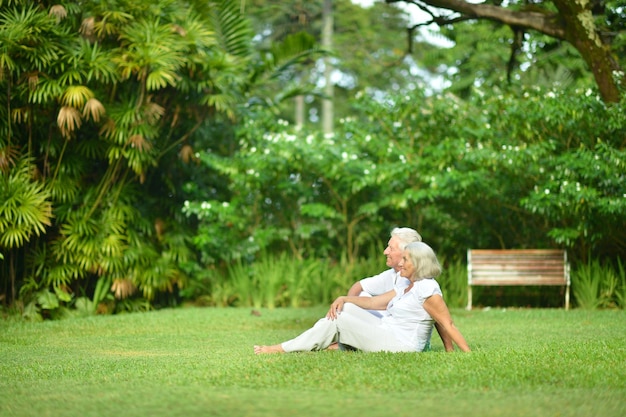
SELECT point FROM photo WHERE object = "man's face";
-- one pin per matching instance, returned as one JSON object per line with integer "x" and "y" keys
{"x": 393, "y": 253}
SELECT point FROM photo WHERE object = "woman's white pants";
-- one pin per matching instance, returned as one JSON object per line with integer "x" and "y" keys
{"x": 354, "y": 327}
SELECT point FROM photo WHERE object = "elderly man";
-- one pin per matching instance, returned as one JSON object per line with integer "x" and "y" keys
{"x": 389, "y": 279}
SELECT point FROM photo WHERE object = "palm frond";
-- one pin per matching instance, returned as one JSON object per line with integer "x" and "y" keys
{"x": 25, "y": 207}
{"x": 32, "y": 26}
{"x": 76, "y": 95}
{"x": 95, "y": 62}
{"x": 8, "y": 157}
{"x": 58, "y": 11}
{"x": 110, "y": 23}
{"x": 47, "y": 90}
{"x": 93, "y": 110}
{"x": 233, "y": 33}
{"x": 193, "y": 29}
{"x": 153, "y": 52}
{"x": 68, "y": 120}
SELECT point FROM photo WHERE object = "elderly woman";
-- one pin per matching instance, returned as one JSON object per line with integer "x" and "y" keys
{"x": 412, "y": 311}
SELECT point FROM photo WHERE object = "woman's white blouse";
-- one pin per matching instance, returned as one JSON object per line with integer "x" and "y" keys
{"x": 407, "y": 318}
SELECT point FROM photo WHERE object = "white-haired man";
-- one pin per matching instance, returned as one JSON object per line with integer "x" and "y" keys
{"x": 389, "y": 279}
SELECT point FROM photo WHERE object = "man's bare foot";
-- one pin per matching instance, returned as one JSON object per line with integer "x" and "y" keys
{"x": 333, "y": 346}
{"x": 268, "y": 349}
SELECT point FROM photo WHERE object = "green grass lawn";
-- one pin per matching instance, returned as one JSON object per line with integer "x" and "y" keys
{"x": 199, "y": 362}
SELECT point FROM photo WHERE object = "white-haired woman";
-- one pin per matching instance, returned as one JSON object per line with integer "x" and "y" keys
{"x": 407, "y": 327}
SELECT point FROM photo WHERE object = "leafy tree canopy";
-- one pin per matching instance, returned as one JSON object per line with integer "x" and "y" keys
{"x": 595, "y": 29}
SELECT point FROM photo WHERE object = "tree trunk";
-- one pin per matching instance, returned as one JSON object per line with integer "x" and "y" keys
{"x": 580, "y": 31}
{"x": 327, "y": 36}
{"x": 299, "y": 110}
{"x": 12, "y": 276}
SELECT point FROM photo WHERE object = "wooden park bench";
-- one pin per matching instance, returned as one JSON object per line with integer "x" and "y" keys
{"x": 517, "y": 267}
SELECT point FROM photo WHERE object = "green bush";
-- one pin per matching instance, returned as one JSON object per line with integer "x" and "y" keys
{"x": 271, "y": 281}
{"x": 536, "y": 169}
{"x": 453, "y": 283}
{"x": 596, "y": 285}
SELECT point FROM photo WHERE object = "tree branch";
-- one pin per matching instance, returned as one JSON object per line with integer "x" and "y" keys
{"x": 542, "y": 21}
{"x": 573, "y": 23}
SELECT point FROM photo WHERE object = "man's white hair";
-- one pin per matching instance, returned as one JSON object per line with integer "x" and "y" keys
{"x": 405, "y": 235}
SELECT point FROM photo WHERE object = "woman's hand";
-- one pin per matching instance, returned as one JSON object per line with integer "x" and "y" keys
{"x": 335, "y": 308}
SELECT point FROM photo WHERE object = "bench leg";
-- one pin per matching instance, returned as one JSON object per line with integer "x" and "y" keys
{"x": 469, "y": 297}
{"x": 567, "y": 298}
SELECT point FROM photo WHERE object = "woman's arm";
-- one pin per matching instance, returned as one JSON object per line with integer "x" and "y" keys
{"x": 378, "y": 302}
{"x": 445, "y": 338}
{"x": 438, "y": 310}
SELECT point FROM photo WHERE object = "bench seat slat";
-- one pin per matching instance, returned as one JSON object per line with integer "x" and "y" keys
{"x": 495, "y": 275}
{"x": 514, "y": 258}
{"x": 518, "y": 267}
{"x": 499, "y": 252}
{"x": 518, "y": 281}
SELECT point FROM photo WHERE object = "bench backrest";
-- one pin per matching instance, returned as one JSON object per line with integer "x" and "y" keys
{"x": 517, "y": 267}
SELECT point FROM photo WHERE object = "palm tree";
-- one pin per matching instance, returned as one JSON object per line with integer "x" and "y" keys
{"x": 25, "y": 211}
{"x": 104, "y": 110}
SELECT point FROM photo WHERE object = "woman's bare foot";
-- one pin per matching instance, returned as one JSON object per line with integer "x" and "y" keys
{"x": 268, "y": 349}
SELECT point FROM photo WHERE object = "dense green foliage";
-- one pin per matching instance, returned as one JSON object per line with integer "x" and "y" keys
{"x": 546, "y": 170}
{"x": 103, "y": 104}
{"x": 494, "y": 172}
{"x": 84, "y": 126}
{"x": 142, "y": 163}
{"x": 198, "y": 362}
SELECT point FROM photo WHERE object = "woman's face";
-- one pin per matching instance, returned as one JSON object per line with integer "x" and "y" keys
{"x": 407, "y": 269}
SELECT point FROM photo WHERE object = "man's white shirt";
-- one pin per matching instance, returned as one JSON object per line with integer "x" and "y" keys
{"x": 383, "y": 282}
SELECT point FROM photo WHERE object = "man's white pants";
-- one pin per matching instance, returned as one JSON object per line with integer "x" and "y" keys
{"x": 354, "y": 327}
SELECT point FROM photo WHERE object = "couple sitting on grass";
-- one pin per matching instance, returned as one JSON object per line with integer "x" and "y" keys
{"x": 394, "y": 311}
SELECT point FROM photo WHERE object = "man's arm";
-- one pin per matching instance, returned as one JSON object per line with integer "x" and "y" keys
{"x": 356, "y": 289}
{"x": 374, "y": 285}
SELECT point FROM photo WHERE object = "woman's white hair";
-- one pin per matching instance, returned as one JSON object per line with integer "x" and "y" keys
{"x": 424, "y": 259}
{"x": 405, "y": 235}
